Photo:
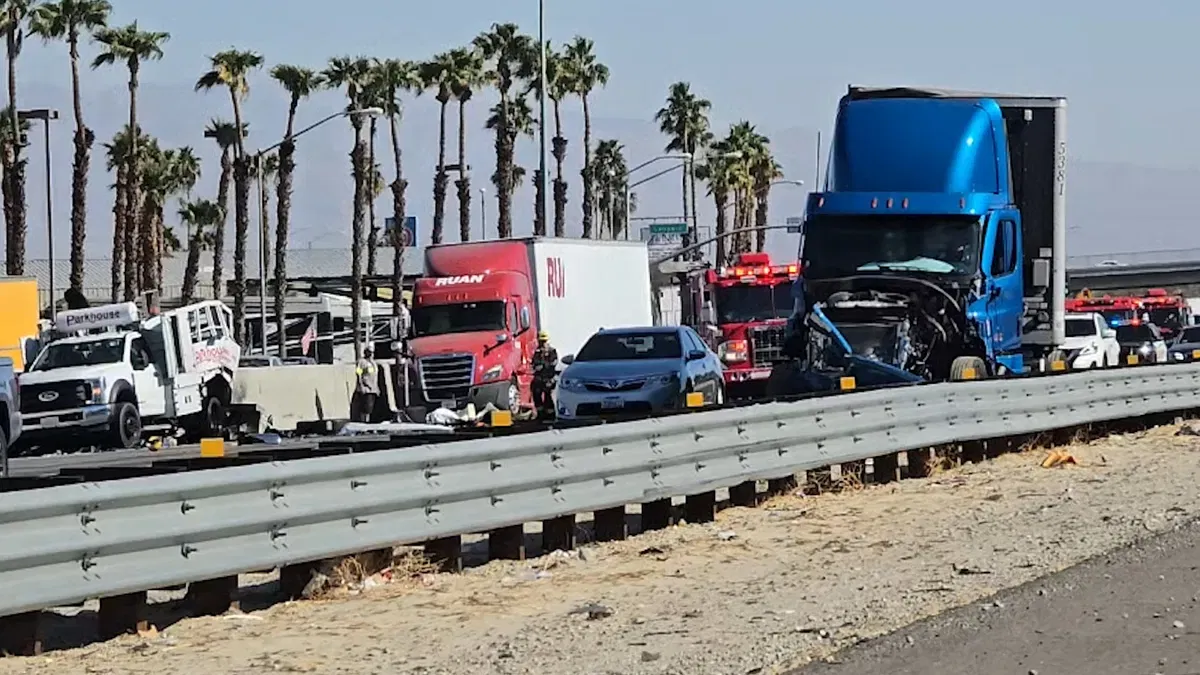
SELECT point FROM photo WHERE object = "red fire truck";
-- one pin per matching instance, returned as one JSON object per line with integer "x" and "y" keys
{"x": 1114, "y": 309}
{"x": 1169, "y": 312}
{"x": 744, "y": 311}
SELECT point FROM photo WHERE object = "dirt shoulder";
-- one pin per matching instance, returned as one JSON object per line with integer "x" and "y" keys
{"x": 758, "y": 591}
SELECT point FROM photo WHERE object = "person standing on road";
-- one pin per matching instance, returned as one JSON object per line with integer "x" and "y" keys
{"x": 367, "y": 386}
{"x": 545, "y": 370}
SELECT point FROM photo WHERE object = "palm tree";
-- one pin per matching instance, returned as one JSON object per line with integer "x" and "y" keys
{"x": 610, "y": 174}
{"x": 438, "y": 75}
{"x": 392, "y": 77}
{"x": 132, "y": 46}
{"x": 468, "y": 76}
{"x": 375, "y": 187}
{"x": 354, "y": 73}
{"x": 716, "y": 171}
{"x": 123, "y": 255}
{"x": 166, "y": 173}
{"x": 6, "y": 130}
{"x": 684, "y": 120}
{"x": 13, "y": 15}
{"x": 269, "y": 172}
{"x": 201, "y": 217}
{"x": 300, "y": 83}
{"x": 748, "y": 145}
{"x": 587, "y": 75}
{"x": 65, "y": 20}
{"x": 510, "y": 55}
{"x": 764, "y": 171}
{"x": 508, "y": 175}
{"x": 231, "y": 69}
{"x": 226, "y": 135}
{"x": 558, "y": 87}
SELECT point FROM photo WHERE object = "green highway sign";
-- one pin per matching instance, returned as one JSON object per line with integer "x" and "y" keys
{"x": 668, "y": 228}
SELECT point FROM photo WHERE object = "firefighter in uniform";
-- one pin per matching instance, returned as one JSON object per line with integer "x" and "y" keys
{"x": 545, "y": 371}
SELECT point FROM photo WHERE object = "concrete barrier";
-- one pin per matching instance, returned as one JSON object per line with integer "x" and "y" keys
{"x": 291, "y": 394}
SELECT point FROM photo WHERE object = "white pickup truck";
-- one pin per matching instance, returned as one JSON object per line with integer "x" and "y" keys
{"x": 10, "y": 410}
{"x": 116, "y": 373}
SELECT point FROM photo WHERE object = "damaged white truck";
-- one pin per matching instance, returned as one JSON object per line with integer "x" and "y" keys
{"x": 109, "y": 374}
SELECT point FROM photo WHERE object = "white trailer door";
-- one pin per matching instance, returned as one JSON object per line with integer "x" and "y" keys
{"x": 583, "y": 286}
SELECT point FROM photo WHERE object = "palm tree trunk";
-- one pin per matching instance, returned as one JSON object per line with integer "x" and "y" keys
{"x": 539, "y": 220}
{"x": 694, "y": 227}
{"x": 464, "y": 181}
{"x": 265, "y": 199}
{"x": 79, "y": 171}
{"x": 357, "y": 160}
{"x": 760, "y": 219}
{"x": 504, "y": 169}
{"x": 133, "y": 197}
{"x": 721, "y": 201}
{"x": 588, "y": 186}
{"x": 372, "y": 184}
{"x": 218, "y": 246}
{"x": 241, "y": 225}
{"x": 559, "y": 144}
{"x": 683, "y": 192}
{"x": 14, "y": 169}
{"x": 439, "y": 183}
{"x": 283, "y": 206}
{"x": 118, "y": 246}
{"x": 149, "y": 247}
{"x": 191, "y": 269}
{"x": 398, "y": 214}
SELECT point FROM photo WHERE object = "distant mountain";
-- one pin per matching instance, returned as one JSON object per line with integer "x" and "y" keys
{"x": 1111, "y": 208}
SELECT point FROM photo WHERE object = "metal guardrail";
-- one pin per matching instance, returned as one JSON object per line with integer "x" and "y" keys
{"x": 66, "y": 544}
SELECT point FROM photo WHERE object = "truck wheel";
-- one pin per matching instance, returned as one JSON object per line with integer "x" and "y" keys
{"x": 212, "y": 418}
{"x": 514, "y": 396}
{"x": 125, "y": 430}
{"x": 959, "y": 366}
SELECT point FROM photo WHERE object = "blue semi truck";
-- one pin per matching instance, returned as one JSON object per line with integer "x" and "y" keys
{"x": 937, "y": 250}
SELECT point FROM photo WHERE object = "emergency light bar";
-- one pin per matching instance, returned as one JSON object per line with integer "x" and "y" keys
{"x": 765, "y": 271}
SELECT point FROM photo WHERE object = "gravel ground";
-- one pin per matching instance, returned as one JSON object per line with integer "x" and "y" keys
{"x": 759, "y": 591}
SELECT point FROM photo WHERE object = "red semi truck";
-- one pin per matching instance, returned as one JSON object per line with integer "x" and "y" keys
{"x": 746, "y": 306}
{"x": 478, "y": 310}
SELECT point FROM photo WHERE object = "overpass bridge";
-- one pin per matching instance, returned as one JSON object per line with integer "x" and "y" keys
{"x": 1177, "y": 271}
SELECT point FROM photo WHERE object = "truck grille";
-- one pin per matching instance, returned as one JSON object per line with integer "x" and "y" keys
{"x": 66, "y": 395}
{"x": 766, "y": 345}
{"x": 447, "y": 376}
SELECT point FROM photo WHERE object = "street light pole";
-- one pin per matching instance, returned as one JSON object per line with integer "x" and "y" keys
{"x": 685, "y": 157}
{"x": 262, "y": 220}
{"x": 542, "y": 113}
{"x": 45, "y": 115}
{"x": 483, "y": 213}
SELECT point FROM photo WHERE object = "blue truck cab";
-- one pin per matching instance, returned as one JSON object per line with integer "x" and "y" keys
{"x": 937, "y": 248}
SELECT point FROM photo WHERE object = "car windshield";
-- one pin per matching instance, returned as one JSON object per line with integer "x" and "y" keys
{"x": 739, "y": 304}
{"x": 1191, "y": 335}
{"x": 1081, "y": 328}
{"x": 1131, "y": 334}
{"x": 838, "y": 246}
{"x": 467, "y": 317}
{"x": 630, "y": 346}
{"x": 91, "y": 353}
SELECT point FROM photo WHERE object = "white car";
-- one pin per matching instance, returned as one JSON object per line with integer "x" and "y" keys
{"x": 1090, "y": 342}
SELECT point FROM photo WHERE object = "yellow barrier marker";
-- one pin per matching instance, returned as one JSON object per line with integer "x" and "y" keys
{"x": 501, "y": 418}
{"x": 968, "y": 373}
{"x": 1131, "y": 359}
{"x": 694, "y": 399}
{"x": 212, "y": 447}
{"x": 847, "y": 384}
{"x": 1058, "y": 365}
{"x": 1196, "y": 353}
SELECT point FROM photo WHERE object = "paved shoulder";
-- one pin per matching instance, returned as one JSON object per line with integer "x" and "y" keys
{"x": 1136, "y": 610}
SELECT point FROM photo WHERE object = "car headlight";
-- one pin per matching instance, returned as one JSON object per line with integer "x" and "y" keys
{"x": 1144, "y": 350}
{"x": 91, "y": 391}
{"x": 1177, "y": 356}
{"x": 664, "y": 379}
{"x": 492, "y": 373}
{"x": 571, "y": 384}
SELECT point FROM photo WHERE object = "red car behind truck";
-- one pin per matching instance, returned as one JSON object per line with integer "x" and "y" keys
{"x": 478, "y": 310}
{"x": 746, "y": 311}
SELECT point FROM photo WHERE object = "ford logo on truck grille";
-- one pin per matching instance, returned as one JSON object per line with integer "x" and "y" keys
{"x": 47, "y": 396}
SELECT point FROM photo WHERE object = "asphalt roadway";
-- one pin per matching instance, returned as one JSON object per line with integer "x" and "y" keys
{"x": 43, "y": 465}
{"x": 1130, "y": 612}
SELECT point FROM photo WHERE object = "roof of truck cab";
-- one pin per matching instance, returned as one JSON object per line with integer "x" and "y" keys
{"x": 92, "y": 337}
{"x": 855, "y": 92}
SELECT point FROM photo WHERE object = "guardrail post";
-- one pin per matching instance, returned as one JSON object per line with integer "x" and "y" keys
{"x": 917, "y": 463}
{"x": 19, "y": 634}
{"x": 507, "y": 543}
{"x": 885, "y": 468}
{"x": 212, "y": 597}
{"x": 701, "y": 508}
{"x": 558, "y": 534}
{"x": 445, "y": 553}
{"x": 656, "y": 515}
{"x": 121, "y": 614}
{"x": 779, "y": 486}
{"x": 744, "y": 494}
{"x": 610, "y": 524}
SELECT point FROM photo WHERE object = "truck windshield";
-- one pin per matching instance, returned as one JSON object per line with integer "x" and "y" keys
{"x": 839, "y": 246}
{"x": 468, "y": 317}
{"x": 71, "y": 354}
{"x": 630, "y": 346}
{"x": 1165, "y": 317}
{"x": 740, "y": 304}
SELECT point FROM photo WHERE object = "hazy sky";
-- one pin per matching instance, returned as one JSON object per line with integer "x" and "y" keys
{"x": 782, "y": 65}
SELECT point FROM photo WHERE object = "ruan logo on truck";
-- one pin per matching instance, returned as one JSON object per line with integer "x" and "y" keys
{"x": 460, "y": 279}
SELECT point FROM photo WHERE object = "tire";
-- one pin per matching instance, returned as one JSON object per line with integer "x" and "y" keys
{"x": 959, "y": 366}
{"x": 212, "y": 418}
{"x": 125, "y": 430}
{"x": 514, "y": 396}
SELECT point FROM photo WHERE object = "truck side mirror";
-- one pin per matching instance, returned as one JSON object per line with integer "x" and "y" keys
{"x": 524, "y": 318}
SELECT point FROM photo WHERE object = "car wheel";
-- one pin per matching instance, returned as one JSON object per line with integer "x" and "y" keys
{"x": 125, "y": 430}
